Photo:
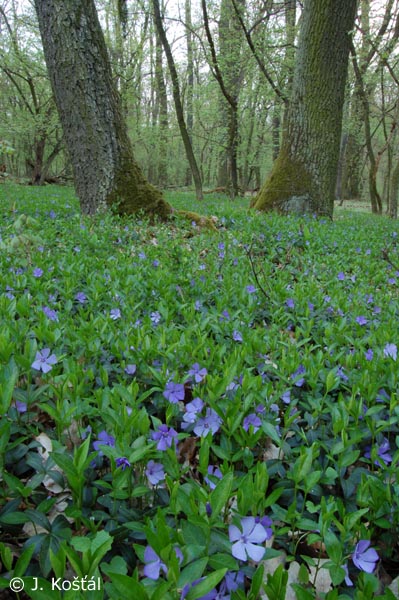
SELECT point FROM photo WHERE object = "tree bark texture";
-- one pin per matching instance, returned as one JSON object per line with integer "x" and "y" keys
{"x": 304, "y": 175}
{"x": 95, "y": 132}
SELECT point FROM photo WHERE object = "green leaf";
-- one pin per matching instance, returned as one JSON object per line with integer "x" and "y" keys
{"x": 221, "y": 494}
{"x": 127, "y": 587}
{"x": 192, "y": 571}
{"x": 206, "y": 585}
{"x": 8, "y": 379}
{"x": 24, "y": 561}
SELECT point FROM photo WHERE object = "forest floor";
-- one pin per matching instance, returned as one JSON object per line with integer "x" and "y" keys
{"x": 193, "y": 414}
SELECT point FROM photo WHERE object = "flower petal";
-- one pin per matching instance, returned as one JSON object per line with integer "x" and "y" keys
{"x": 238, "y": 551}
{"x": 255, "y": 552}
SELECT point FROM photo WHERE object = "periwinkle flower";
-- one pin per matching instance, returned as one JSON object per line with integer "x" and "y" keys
{"x": 251, "y": 420}
{"x": 153, "y": 564}
{"x": 50, "y": 313}
{"x": 122, "y": 463}
{"x": 44, "y": 361}
{"x": 364, "y": 557}
{"x": 210, "y": 423}
{"x": 296, "y": 376}
{"x": 154, "y": 472}
{"x": 286, "y": 397}
{"x": 115, "y": 314}
{"x": 192, "y": 410}
{"x": 174, "y": 392}
{"x": 198, "y": 373}
{"x": 130, "y": 369}
{"x": 37, "y": 272}
{"x": 383, "y": 452}
{"x": 213, "y": 472}
{"x": 103, "y": 439}
{"x": 155, "y": 317}
{"x": 237, "y": 336}
{"x": 391, "y": 351}
{"x": 251, "y": 289}
{"x": 341, "y": 276}
{"x": 368, "y": 355}
{"x": 247, "y": 539}
{"x": 290, "y": 303}
{"x": 81, "y": 297}
{"x": 165, "y": 437}
{"x": 361, "y": 320}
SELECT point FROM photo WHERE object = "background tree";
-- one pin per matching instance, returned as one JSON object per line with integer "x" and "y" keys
{"x": 105, "y": 171}
{"x": 304, "y": 175}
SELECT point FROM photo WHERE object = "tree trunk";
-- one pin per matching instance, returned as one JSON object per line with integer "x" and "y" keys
{"x": 304, "y": 175}
{"x": 177, "y": 100}
{"x": 190, "y": 83}
{"x": 95, "y": 132}
{"x": 393, "y": 192}
{"x": 162, "y": 101}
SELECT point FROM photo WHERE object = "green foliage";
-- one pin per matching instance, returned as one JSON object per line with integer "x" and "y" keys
{"x": 300, "y": 421}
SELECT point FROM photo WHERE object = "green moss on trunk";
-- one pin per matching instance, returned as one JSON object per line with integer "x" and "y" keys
{"x": 287, "y": 189}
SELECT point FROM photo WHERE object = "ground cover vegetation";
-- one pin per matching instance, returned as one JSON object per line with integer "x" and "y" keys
{"x": 182, "y": 409}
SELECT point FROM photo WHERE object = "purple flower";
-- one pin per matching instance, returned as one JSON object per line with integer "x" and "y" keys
{"x": 391, "y": 351}
{"x": 130, "y": 369}
{"x": 364, "y": 557}
{"x": 155, "y": 317}
{"x": 21, "y": 407}
{"x": 361, "y": 320}
{"x": 81, "y": 297}
{"x": 369, "y": 354}
{"x": 192, "y": 409}
{"x": 245, "y": 541}
{"x": 44, "y": 361}
{"x": 341, "y": 374}
{"x": 37, "y": 272}
{"x": 252, "y": 420}
{"x": 251, "y": 289}
{"x": 341, "y": 276}
{"x": 286, "y": 397}
{"x": 210, "y": 423}
{"x": 266, "y": 523}
{"x": 233, "y": 580}
{"x": 197, "y": 373}
{"x": 290, "y": 303}
{"x": 165, "y": 437}
{"x": 103, "y": 439}
{"x": 50, "y": 313}
{"x": 225, "y": 315}
{"x": 348, "y": 580}
{"x": 213, "y": 472}
{"x": 174, "y": 392}
{"x": 154, "y": 472}
{"x": 115, "y": 314}
{"x": 382, "y": 453}
{"x": 154, "y": 565}
{"x": 155, "y": 263}
{"x": 296, "y": 376}
{"x": 237, "y": 337}
{"x": 122, "y": 463}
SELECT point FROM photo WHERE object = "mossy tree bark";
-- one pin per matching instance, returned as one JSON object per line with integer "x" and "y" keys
{"x": 304, "y": 175}
{"x": 95, "y": 132}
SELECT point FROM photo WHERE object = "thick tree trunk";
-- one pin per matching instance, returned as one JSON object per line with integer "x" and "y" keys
{"x": 105, "y": 171}
{"x": 304, "y": 175}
